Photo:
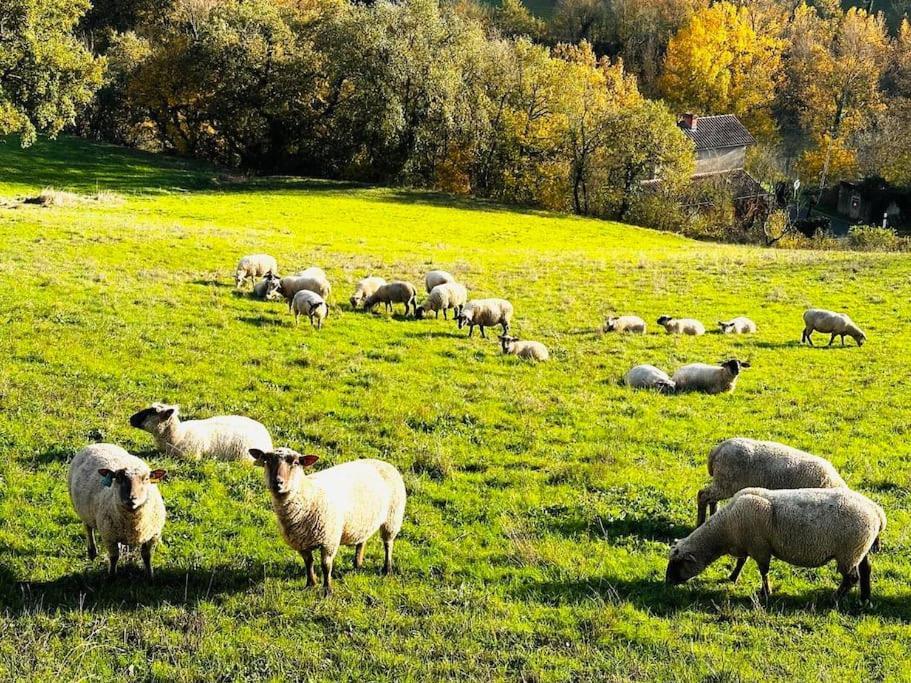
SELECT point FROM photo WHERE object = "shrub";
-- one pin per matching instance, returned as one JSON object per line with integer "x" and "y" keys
{"x": 874, "y": 238}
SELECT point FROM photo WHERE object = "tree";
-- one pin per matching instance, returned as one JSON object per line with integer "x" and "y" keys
{"x": 46, "y": 75}
{"x": 513, "y": 18}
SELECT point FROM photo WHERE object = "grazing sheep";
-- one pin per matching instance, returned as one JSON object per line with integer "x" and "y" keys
{"x": 341, "y": 505}
{"x": 739, "y": 325}
{"x": 311, "y": 305}
{"x": 116, "y": 493}
{"x": 226, "y": 437}
{"x": 527, "y": 350}
{"x": 740, "y": 463}
{"x": 709, "y": 379}
{"x": 254, "y": 266}
{"x": 267, "y": 288}
{"x": 437, "y": 277}
{"x": 395, "y": 292}
{"x": 804, "y": 527}
{"x": 442, "y": 298}
{"x": 485, "y": 313}
{"x": 681, "y": 325}
{"x": 649, "y": 377}
{"x": 292, "y": 284}
{"x": 829, "y": 322}
{"x": 365, "y": 288}
{"x": 625, "y": 323}
{"x": 313, "y": 272}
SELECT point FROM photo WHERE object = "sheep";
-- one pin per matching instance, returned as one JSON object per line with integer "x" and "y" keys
{"x": 527, "y": 350}
{"x": 485, "y": 313}
{"x": 709, "y": 379}
{"x": 292, "y": 284}
{"x": 625, "y": 323}
{"x": 738, "y": 325}
{"x": 116, "y": 494}
{"x": 225, "y": 437}
{"x": 365, "y": 288}
{"x": 443, "y": 297}
{"x": 312, "y": 272}
{"x": 649, "y": 377}
{"x": 310, "y": 304}
{"x": 739, "y": 463}
{"x": 267, "y": 288}
{"x": 681, "y": 325}
{"x": 803, "y": 527}
{"x": 341, "y": 505}
{"x": 829, "y": 322}
{"x": 437, "y": 277}
{"x": 254, "y": 266}
{"x": 395, "y": 292}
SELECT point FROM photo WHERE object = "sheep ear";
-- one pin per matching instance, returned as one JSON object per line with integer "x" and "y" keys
{"x": 307, "y": 460}
{"x": 157, "y": 475}
{"x": 107, "y": 477}
{"x": 166, "y": 414}
{"x": 745, "y": 364}
{"x": 257, "y": 454}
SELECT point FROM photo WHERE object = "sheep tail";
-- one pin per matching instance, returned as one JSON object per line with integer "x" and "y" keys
{"x": 875, "y": 547}
{"x": 712, "y": 455}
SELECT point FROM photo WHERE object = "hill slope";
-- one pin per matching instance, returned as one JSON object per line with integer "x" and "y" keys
{"x": 542, "y": 499}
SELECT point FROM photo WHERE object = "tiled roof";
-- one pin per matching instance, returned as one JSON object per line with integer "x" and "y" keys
{"x": 715, "y": 132}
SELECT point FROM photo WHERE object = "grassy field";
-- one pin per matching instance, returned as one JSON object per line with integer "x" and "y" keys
{"x": 542, "y": 498}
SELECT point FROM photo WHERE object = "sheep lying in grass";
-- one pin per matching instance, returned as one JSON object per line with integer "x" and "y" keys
{"x": 740, "y": 463}
{"x": 396, "y": 292}
{"x": 311, "y": 305}
{"x": 804, "y": 527}
{"x": 341, "y": 505}
{"x": 116, "y": 494}
{"x": 625, "y": 323}
{"x": 649, "y": 377}
{"x": 829, "y": 322}
{"x": 365, "y": 288}
{"x": 292, "y": 284}
{"x": 738, "y": 325}
{"x": 254, "y": 266}
{"x": 486, "y": 313}
{"x": 267, "y": 288}
{"x": 449, "y": 295}
{"x": 687, "y": 326}
{"x": 437, "y": 277}
{"x": 226, "y": 437}
{"x": 709, "y": 379}
{"x": 526, "y": 350}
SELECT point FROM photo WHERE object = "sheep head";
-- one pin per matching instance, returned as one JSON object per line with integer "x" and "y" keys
{"x": 284, "y": 468}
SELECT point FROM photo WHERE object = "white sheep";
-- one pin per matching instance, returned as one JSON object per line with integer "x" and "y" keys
{"x": 267, "y": 288}
{"x": 625, "y": 323}
{"x": 312, "y": 272}
{"x": 829, "y": 322}
{"x": 225, "y": 437}
{"x": 687, "y": 326}
{"x": 739, "y": 463}
{"x": 437, "y": 277}
{"x": 739, "y": 325}
{"x": 486, "y": 313}
{"x": 341, "y": 505}
{"x": 366, "y": 287}
{"x": 311, "y": 305}
{"x": 649, "y": 377}
{"x": 709, "y": 379}
{"x": 254, "y": 266}
{"x": 804, "y": 527}
{"x": 116, "y": 494}
{"x": 292, "y": 284}
{"x": 526, "y": 350}
{"x": 449, "y": 295}
{"x": 395, "y": 292}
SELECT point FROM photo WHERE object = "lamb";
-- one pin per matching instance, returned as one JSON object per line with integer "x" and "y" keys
{"x": 740, "y": 463}
{"x": 292, "y": 284}
{"x": 709, "y": 379}
{"x": 485, "y": 313}
{"x": 804, "y": 527}
{"x": 625, "y": 323}
{"x": 254, "y": 266}
{"x": 267, "y": 288}
{"x": 437, "y": 277}
{"x": 341, "y": 505}
{"x": 738, "y": 325}
{"x": 310, "y": 304}
{"x": 395, "y": 292}
{"x": 829, "y": 322}
{"x": 443, "y": 297}
{"x": 226, "y": 437}
{"x": 681, "y": 325}
{"x": 526, "y": 350}
{"x": 365, "y": 288}
{"x": 649, "y": 377}
{"x": 116, "y": 493}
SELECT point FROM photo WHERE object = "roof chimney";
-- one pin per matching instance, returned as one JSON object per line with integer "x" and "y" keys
{"x": 689, "y": 121}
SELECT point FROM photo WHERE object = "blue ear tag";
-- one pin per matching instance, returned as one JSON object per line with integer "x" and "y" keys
{"x": 107, "y": 480}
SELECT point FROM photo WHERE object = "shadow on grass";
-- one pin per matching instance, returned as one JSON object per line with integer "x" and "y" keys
{"x": 776, "y": 345}
{"x": 439, "y": 334}
{"x": 655, "y": 528}
{"x": 262, "y": 321}
{"x": 218, "y": 283}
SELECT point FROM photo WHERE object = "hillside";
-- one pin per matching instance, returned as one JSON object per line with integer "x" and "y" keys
{"x": 542, "y": 498}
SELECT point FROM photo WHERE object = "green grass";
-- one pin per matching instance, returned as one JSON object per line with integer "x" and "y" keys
{"x": 542, "y": 498}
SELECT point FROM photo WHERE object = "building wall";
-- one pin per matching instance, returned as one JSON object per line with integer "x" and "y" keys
{"x": 720, "y": 160}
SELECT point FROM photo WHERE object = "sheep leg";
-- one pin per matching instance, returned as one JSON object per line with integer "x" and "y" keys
{"x": 326, "y": 558}
{"x": 359, "y": 555}
{"x": 848, "y": 579}
{"x": 113, "y": 556}
{"x": 387, "y": 561}
{"x": 842, "y": 340}
{"x": 146, "y": 552}
{"x": 766, "y": 590}
{"x": 738, "y": 567}
{"x": 445, "y": 314}
{"x": 471, "y": 329}
{"x": 809, "y": 337}
{"x": 701, "y": 506}
{"x": 483, "y": 334}
{"x": 90, "y": 540}
{"x": 308, "y": 564}
{"x": 864, "y": 569}
{"x": 832, "y": 339}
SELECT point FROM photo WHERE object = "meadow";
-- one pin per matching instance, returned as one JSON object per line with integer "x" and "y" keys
{"x": 542, "y": 498}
